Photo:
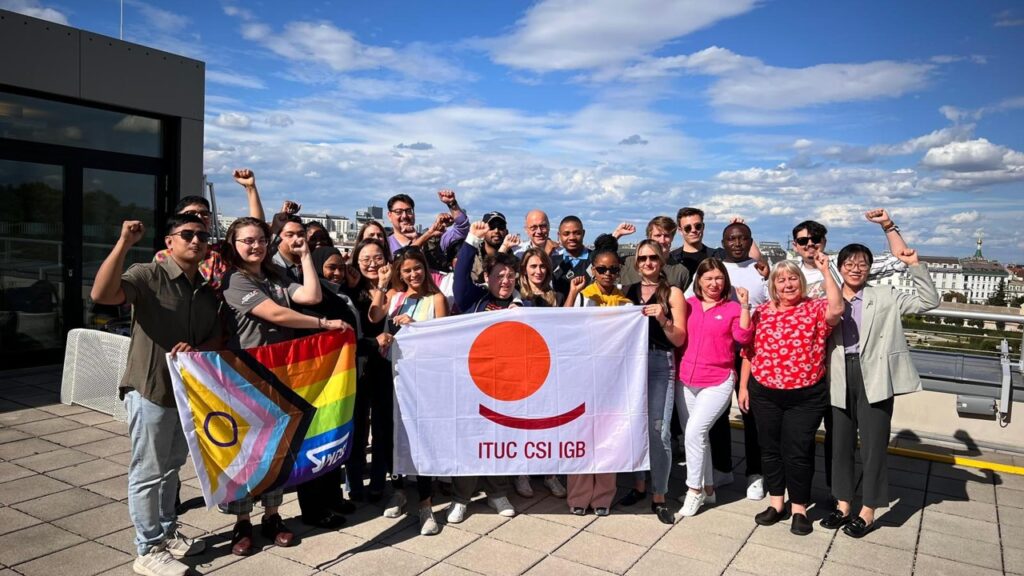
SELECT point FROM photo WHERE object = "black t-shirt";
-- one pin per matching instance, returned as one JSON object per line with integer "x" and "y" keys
{"x": 655, "y": 334}
{"x": 693, "y": 259}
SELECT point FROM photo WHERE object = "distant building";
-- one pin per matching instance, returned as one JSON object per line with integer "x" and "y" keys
{"x": 773, "y": 251}
{"x": 976, "y": 277}
{"x": 371, "y": 213}
{"x": 341, "y": 229}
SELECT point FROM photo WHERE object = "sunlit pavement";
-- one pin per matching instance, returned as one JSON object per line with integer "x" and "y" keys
{"x": 63, "y": 511}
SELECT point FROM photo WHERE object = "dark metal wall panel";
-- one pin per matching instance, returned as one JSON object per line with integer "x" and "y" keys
{"x": 191, "y": 167}
{"x": 133, "y": 76}
{"x": 39, "y": 55}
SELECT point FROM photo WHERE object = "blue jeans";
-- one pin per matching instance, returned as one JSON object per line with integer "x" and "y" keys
{"x": 661, "y": 377}
{"x": 158, "y": 450}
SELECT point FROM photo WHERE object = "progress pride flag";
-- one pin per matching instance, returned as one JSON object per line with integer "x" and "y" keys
{"x": 522, "y": 391}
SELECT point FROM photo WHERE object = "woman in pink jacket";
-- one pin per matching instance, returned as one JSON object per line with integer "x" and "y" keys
{"x": 714, "y": 327}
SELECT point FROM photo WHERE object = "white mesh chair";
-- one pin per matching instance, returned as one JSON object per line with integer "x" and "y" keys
{"x": 94, "y": 363}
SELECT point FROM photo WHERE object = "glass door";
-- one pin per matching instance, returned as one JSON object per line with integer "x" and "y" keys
{"x": 32, "y": 258}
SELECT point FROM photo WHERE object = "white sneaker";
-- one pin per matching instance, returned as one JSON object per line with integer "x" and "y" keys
{"x": 723, "y": 478}
{"x": 456, "y": 513}
{"x": 502, "y": 506}
{"x": 396, "y": 505}
{"x": 522, "y": 485}
{"x": 755, "y": 487}
{"x": 428, "y": 526}
{"x": 692, "y": 502}
{"x": 159, "y": 562}
{"x": 556, "y": 488}
{"x": 179, "y": 545}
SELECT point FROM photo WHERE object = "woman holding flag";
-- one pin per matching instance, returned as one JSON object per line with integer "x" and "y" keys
{"x": 413, "y": 297}
{"x": 260, "y": 296}
{"x": 596, "y": 490}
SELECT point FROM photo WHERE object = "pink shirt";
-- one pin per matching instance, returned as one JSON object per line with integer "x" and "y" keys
{"x": 711, "y": 338}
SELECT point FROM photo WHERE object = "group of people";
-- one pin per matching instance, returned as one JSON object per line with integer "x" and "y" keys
{"x": 797, "y": 342}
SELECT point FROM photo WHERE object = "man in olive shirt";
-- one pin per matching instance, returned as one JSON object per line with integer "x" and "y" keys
{"x": 173, "y": 310}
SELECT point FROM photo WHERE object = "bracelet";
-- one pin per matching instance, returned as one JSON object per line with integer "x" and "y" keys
{"x": 892, "y": 227}
{"x": 320, "y": 323}
{"x": 746, "y": 307}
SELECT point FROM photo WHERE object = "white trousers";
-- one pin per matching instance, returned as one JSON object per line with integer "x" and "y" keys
{"x": 698, "y": 408}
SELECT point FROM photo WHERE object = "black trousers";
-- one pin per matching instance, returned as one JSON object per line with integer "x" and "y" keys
{"x": 424, "y": 487}
{"x": 320, "y": 494}
{"x": 720, "y": 438}
{"x": 874, "y": 422}
{"x": 787, "y": 421}
{"x": 374, "y": 411}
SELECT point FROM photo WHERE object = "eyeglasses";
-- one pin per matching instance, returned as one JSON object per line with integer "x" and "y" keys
{"x": 371, "y": 260}
{"x": 851, "y": 266}
{"x": 802, "y": 241}
{"x": 188, "y": 235}
{"x": 507, "y": 276}
{"x": 699, "y": 227}
{"x": 614, "y": 270}
{"x": 538, "y": 227}
{"x": 261, "y": 241}
{"x": 200, "y": 213}
{"x": 403, "y": 212}
{"x": 646, "y": 258}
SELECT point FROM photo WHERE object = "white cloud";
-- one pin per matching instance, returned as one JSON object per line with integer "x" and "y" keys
{"x": 802, "y": 143}
{"x": 954, "y": 114}
{"x": 158, "y": 18}
{"x": 569, "y": 35}
{"x": 971, "y": 156}
{"x": 233, "y": 120}
{"x": 35, "y": 9}
{"x": 1007, "y": 19}
{"x": 233, "y": 79}
{"x": 964, "y": 217}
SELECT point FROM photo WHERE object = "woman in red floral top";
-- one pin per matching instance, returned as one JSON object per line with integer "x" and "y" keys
{"x": 787, "y": 389}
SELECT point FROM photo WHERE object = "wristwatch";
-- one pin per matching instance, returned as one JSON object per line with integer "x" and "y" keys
{"x": 891, "y": 228}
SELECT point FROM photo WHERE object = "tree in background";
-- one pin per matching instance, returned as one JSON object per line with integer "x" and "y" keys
{"x": 999, "y": 297}
{"x": 954, "y": 297}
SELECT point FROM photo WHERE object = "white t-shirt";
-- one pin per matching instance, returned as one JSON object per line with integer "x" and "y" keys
{"x": 745, "y": 275}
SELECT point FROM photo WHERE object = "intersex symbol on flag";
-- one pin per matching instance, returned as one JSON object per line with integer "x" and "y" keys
{"x": 268, "y": 417}
{"x": 522, "y": 391}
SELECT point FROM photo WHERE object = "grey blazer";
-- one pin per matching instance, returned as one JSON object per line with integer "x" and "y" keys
{"x": 884, "y": 356}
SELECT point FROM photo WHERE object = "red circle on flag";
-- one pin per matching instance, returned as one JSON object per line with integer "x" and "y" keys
{"x": 509, "y": 361}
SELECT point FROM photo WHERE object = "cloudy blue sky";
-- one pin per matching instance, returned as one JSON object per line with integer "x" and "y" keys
{"x": 776, "y": 111}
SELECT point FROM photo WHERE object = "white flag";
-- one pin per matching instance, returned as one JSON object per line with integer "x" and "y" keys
{"x": 522, "y": 391}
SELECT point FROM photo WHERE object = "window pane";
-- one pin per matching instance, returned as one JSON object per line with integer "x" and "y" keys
{"x": 49, "y": 122}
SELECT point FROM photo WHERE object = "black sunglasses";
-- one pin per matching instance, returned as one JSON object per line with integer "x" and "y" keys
{"x": 608, "y": 269}
{"x": 813, "y": 239}
{"x": 188, "y": 235}
{"x": 690, "y": 227}
{"x": 646, "y": 257}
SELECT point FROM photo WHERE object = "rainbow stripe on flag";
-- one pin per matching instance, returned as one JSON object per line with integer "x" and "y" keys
{"x": 268, "y": 417}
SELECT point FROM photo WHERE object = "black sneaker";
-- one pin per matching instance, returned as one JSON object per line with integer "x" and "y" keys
{"x": 801, "y": 526}
{"x": 633, "y": 497}
{"x": 663, "y": 512}
{"x": 835, "y": 520}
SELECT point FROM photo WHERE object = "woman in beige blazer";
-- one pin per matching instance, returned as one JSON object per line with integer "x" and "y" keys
{"x": 869, "y": 363}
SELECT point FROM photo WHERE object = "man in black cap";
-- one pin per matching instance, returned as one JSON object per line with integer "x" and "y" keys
{"x": 497, "y": 231}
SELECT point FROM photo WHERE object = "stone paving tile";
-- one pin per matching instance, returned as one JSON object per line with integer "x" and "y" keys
{"x": 907, "y": 464}
{"x": 85, "y": 559}
{"x": 87, "y": 473}
{"x": 76, "y": 437}
{"x": 1005, "y": 480}
{"x": 438, "y": 547}
{"x": 443, "y": 569}
{"x": 48, "y": 426}
{"x": 105, "y": 448}
{"x": 491, "y": 557}
{"x": 959, "y": 548}
{"x": 91, "y": 418}
{"x": 977, "y": 510}
{"x": 960, "y": 526}
{"x": 10, "y": 471}
{"x": 212, "y": 521}
{"x": 908, "y": 479}
{"x": 978, "y": 491}
{"x": 24, "y": 448}
{"x": 1012, "y": 498}
{"x": 719, "y": 522}
{"x": 34, "y": 542}
{"x": 123, "y": 540}
{"x": 601, "y": 552}
{"x": 758, "y": 559}
{"x": 98, "y": 521}
{"x": 368, "y": 523}
{"x": 22, "y": 415}
{"x": 10, "y": 435}
{"x": 658, "y": 563}
{"x": 321, "y": 548}
{"x": 779, "y": 537}
{"x": 555, "y": 566}
{"x": 114, "y": 488}
{"x": 926, "y": 565}
{"x": 536, "y": 534}
{"x": 123, "y": 459}
{"x": 895, "y": 533}
{"x": 28, "y": 488}
{"x": 962, "y": 472}
{"x": 62, "y": 504}
{"x": 1013, "y": 560}
{"x": 862, "y": 554}
{"x": 556, "y": 510}
{"x": 65, "y": 409}
{"x": 830, "y": 568}
{"x": 54, "y": 460}
{"x": 1013, "y": 536}
{"x": 640, "y": 529}
{"x": 116, "y": 428}
{"x": 372, "y": 560}
{"x": 12, "y": 520}
{"x": 709, "y": 547}
{"x": 264, "y": 564}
